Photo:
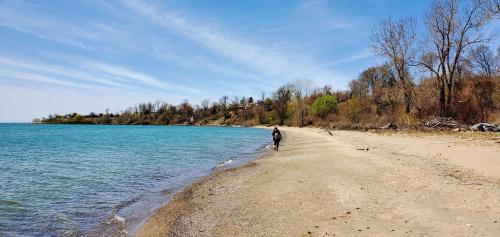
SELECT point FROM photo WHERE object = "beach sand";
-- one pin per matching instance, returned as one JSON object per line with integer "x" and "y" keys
{"x": 332, "y": 185}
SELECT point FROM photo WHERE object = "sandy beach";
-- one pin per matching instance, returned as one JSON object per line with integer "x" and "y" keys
{"x": 346, "y": 184}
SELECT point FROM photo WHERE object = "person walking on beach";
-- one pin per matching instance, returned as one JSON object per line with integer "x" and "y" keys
{"x": 276, "y": 138}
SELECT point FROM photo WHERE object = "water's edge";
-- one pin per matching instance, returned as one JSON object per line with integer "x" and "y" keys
{"x": 67, "y": 180}
{"x": 115, "y": 225}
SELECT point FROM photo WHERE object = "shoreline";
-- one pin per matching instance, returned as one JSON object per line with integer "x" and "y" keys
{"x": 269, "y": 195}
{"x": 115, "y": 224}
{"x": 180, "y": 197}
{"x": 181, "y": 192}
{"x": 170, "y": 211}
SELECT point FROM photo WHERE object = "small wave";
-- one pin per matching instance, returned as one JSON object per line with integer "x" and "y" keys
{"x": 114, "y": 225}
{"x": 115, "y": 219}
{"x": 223, "y": 164}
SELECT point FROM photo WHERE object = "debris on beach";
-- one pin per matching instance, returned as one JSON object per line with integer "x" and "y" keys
{"x": 439, "y": 122}
{"x": 485, "y": 127}
{"x": 390, "y": 126}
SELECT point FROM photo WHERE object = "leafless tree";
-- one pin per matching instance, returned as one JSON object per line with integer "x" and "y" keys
{"x": 483, "y": 61}
{"x": 282, "y": 96}
{"x": 395, "y": 40}
{"x": 492, "y": 8}
{"x": 223, "y": 105}
{"x": 450, "y": 32}
{"x": 261, "y": 108}
{"x": 205, "y": 104}
{"x": 301, "y": 90}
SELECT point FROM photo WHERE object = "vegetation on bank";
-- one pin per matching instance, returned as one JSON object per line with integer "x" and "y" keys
{"x": 447, "y": 71}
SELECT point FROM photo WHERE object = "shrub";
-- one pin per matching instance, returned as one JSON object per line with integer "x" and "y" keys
{"x": 323, "y": 105}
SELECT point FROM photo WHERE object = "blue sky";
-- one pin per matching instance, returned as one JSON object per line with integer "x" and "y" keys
{"x": 88, "y": 56}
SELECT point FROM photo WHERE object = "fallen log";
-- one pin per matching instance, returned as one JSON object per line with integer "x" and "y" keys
{"x": 440, "y": 122}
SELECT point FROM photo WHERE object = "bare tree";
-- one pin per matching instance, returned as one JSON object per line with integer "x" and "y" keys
{"x": 450, "y": 32}
{"x": 205, "y": 104}
{"x": 301, "y": 90}
{"x": 483, "y": 61}
{"x": 261, "y": 108}
{"x": 223, "y": 105}
{"x": 395, "y": 41}
{"x": 282, "y": 96}
{"x": 492, "y": 8}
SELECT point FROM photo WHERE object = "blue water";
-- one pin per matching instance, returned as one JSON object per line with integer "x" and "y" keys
{"x": 64, "y": 180}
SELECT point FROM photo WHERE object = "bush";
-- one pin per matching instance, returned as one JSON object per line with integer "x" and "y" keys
{"x": 323, "y": 105}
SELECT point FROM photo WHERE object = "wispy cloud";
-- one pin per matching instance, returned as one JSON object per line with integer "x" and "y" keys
{"x": 88, "y": 74}
{"x": 349, "y": 59}
{"x": 103, "y": 36}
{"x": 45, "y": 27}
{"x": 274, "y": 63}
{"x": 5, "y": 73}
{"x": 201, "y": 62}
{"x": 57, "y": 70}
{"x": 324, "y": 15}
{"x": 126, "y": 73}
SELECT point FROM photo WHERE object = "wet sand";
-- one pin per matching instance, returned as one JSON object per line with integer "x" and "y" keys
{"x": 346, "y": 184}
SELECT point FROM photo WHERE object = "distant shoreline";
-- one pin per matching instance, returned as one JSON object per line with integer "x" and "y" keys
{"x": 173, "y": 125}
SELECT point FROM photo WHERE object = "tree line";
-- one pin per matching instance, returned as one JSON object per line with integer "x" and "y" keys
{"x": 446, "y": 71}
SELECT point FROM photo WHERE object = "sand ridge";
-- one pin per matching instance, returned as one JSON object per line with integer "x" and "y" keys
{"x": 322, "y": 185}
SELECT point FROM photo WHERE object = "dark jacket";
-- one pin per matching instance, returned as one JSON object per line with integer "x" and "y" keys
{"x": 276, "y": 134}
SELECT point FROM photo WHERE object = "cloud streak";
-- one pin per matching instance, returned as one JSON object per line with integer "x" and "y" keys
{"x": 46, "y": 27}
{"x": 129, "y": 74}
{"x": 324, "y": 15}
{"x": 98, "y": 36}
{"x": 355, "y": 57}
{"x": 5, "y": 73}
{"x": 91, "y": 75}
{"x": 57, "y": 70}
{"x": 273, "y": 63}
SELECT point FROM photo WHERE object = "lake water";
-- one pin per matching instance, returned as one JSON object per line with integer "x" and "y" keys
{"x": 64, "y": 180}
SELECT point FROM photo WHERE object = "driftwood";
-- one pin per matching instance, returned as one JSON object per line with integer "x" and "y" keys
{"x": 440, "y": 122}
{"x": 390, "y": 126}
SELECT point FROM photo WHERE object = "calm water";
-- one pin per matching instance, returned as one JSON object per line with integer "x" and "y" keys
{"x": 63, "y": 180}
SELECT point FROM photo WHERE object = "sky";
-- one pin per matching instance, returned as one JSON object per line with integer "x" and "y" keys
{"x": 59, "y": 57}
